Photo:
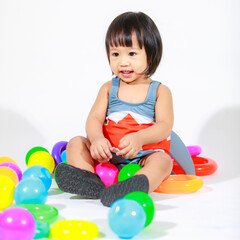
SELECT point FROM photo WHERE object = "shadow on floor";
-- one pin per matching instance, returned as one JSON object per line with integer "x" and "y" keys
{"x": 220, "y": 141}
{"x": 17, "y": 136}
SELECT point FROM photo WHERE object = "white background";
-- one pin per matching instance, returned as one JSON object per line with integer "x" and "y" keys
{"x": 53, "y": 61}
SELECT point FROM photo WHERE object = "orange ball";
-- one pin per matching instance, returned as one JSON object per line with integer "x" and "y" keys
{"x": 8, "y": 172}
{"x": 7, "y": 159}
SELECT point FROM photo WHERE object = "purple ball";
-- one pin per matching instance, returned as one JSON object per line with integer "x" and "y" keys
{"x": 17, "y": 223}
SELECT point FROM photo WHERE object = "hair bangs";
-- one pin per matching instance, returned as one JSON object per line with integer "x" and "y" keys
{"x": 124, "y": 39}
{"x": 120, "y": 39}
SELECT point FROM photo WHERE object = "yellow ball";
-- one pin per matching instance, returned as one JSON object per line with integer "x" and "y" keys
{"x": 6, "y": 192}
{"x": 8, "y": 172}
{"x": 74, "y": 229}
{"x": 7, "y": 159}
{"x": 42, "y": 158}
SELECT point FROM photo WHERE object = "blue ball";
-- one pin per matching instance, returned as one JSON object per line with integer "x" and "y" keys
{"x": 30, "y": 190}
{"x": 126, "y": 218}
{"x": 64, "y": 156}
{"x": 40, "y": 172}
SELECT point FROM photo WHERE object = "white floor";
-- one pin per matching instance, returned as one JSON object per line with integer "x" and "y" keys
{"x": 211, "y": 213}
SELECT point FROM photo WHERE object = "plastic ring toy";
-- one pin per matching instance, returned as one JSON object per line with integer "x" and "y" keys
{"x": 41, "y": 212}
{"x": 203, "y": 166}
{"x": 194, "y": 150}
{"x": 73, "y": 229}
{"x": 180, "y": 184}
{"x": 58, "y": 148}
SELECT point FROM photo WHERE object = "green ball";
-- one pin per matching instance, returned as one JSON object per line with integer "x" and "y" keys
{"x": 33, "y": 150}
{"x": 146, "y": 202}
{"x": 128, "y": 171}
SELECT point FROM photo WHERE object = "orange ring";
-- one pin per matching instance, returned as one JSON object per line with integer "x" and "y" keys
{"x": 203, "y": 166}
{"x": 180, "y": 184}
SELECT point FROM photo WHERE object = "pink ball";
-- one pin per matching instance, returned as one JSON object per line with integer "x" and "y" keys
{"x": 14, "y": 167}
{"x": 107, "y": 172}
{"x": 17, "y": 223}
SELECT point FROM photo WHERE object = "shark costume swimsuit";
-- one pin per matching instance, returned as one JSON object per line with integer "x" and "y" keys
{"x": 123, "y": 118}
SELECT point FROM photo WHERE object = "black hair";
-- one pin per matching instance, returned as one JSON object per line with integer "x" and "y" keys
{"x": 120, "y": 34}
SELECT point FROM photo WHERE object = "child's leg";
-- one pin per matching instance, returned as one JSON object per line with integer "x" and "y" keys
{"x": 156, "y": 167}
{"x": 78, "y": 153}
{"x": 78, "y": 175}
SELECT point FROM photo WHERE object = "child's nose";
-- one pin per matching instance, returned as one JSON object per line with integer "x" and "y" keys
{"x": 124, "y": 62}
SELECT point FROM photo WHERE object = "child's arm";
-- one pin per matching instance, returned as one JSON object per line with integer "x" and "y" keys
{"x": 132, "y": 143}
{"x": 100, "y": 146}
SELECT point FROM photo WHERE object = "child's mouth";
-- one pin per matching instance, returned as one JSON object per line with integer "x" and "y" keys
{"x": 126, "y": 73}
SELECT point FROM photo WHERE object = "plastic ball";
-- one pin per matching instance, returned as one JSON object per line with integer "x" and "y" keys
{"x": 33, "y": 150}
{"x": 6, "y": 192}
{"x": 42, "y": 212}
{"x": 30, "y": 190}
{"x": 7, "y": 159}
{"x": 107, "y": 172}
{"x": 40, "y": 172}
{"x": 128, "y": 171}
{"x": 64, "y": 156}
{"x": 74, "y": 229}
{"x": 42, "y": 230}
{"x": 8, "y": 172}
{"x": 126, "y": 218}
{"x": 146, "y": 202}
{"x": 17, "y": 223}
{"x": 42, "y": 158}
{"x": 14, "y": 167}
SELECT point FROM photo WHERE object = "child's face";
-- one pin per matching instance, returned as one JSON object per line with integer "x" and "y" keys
{"x": 128, "y": 63}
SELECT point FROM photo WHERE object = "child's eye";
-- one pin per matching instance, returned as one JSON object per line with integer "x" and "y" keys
{"x": 115, "y": 54}
{"x": 132, "y": 54}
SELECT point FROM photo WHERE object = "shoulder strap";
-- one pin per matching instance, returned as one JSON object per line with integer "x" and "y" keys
{"x": 152, "y": 91}
{"x": 115, "y": 86}
{"x": 114, "y": 90}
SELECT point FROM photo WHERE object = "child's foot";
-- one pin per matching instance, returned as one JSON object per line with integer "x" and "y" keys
{"x": 120, "y": 189}
{"x": 77, "y": 181}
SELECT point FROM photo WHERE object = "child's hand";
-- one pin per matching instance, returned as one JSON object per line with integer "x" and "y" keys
{"x": 101, "y": 150}
{"x": 130, "y": 144}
